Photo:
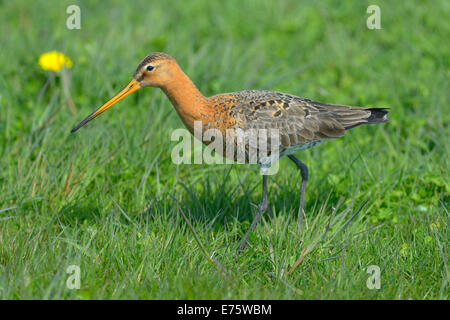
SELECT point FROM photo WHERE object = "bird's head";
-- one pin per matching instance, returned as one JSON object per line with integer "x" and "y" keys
{"x": 156, "y": 70}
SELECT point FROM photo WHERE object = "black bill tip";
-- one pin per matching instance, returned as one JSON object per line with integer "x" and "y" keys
{"x": 82, "y": 123}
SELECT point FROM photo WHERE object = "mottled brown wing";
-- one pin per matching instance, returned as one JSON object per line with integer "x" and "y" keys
{"x": 299, "y": 120}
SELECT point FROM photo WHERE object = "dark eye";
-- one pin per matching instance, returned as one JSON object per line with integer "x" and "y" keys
{"x": 150, "y": 67}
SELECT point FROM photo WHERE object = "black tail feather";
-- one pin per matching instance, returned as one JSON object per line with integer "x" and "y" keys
{"x": 377, "y": 115}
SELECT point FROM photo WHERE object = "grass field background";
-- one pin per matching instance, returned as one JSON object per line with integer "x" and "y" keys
{"x": 109, "y": 199}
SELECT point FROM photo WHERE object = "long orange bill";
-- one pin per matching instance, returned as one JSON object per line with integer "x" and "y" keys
{"x": 130, "y": 88}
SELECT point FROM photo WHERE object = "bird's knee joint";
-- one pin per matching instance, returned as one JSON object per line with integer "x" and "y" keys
{"x": 263, "y": 205}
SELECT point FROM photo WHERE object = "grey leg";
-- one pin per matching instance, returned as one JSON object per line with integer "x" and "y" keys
{"x": 262, "y": 207}
{"x": 304, "y": 173}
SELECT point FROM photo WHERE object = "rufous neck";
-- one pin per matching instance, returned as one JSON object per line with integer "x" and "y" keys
{"x": 185, "y": 97}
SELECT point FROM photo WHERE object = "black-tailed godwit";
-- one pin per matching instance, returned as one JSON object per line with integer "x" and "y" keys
{"x": 301, "y": 123}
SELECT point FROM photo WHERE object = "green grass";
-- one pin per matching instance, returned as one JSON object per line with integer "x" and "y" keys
{"x": 108, "y": 198}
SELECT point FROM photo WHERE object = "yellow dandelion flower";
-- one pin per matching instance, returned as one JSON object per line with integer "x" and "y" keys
{"x": 54, "y": 61}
